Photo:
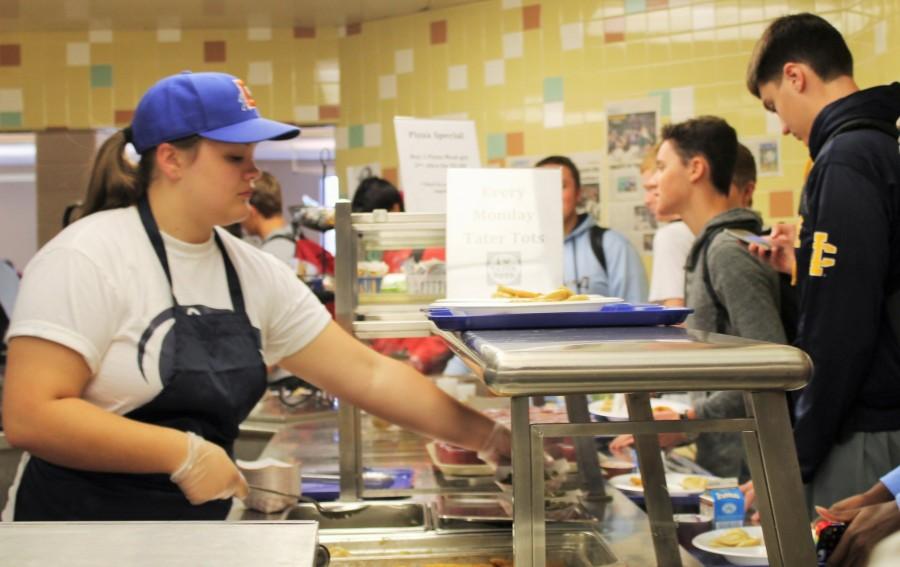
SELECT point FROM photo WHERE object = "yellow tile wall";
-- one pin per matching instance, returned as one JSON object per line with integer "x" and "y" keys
{"x": 56, "y": 94}
{"x": 663, "y": 48}
{"x": 674, "y": 45}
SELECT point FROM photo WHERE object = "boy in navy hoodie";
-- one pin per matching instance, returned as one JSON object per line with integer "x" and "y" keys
{"x": 847, "y": 259}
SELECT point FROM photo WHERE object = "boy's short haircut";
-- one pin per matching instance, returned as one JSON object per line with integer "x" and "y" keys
{"x": 800, "y": 38}
{"x": 710, "y": 137}
{"x": 744, "y": 167}
{"x": 564, "y": 162}
{"x": 266, "y": 197}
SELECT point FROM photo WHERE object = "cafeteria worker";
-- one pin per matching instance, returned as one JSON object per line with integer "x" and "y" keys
{"x": 141, "y": 335}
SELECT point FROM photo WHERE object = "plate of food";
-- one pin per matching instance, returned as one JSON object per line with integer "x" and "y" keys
{"x": 678, "y": 484}
{"x": 506, "y": 306}
{"x": 456, "y": 461}
{"x": 613, "y": 408}
{"x": 740, "y": 546}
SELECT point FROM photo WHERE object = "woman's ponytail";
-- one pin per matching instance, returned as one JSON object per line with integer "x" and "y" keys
{"x": 115, "y": 181}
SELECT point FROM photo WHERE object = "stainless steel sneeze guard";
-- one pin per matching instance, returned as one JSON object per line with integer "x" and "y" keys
{"x": 638, "y": 361}
{"x": 631, "y": 359}
{"x": 151, "y": 544}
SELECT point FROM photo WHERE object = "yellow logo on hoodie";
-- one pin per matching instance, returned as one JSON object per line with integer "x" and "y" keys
{"x": 820, "y": 247}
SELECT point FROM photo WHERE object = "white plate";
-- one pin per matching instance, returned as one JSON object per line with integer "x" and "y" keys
{"x": 468, "y": 307}
{"x": 596, "y": 408}
{"x": 673, "y": 482}
{"x": 735, "y": 555}
{"x": 457, "y": 470}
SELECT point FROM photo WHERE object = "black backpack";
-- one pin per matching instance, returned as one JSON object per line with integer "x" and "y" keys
{"x": 597, "y": 244}
{"x": 789, "y": 311}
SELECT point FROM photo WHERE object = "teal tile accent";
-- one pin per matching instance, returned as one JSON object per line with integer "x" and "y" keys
{"x": 553, "y": 89}
{"x": 355, "y": 136}
{"x": 101, "y": 76}
{"x": 496, "y": 146}
{"x": 10, "y": 119}
{"x": 665, "y": 101}
{"x": 635, "y": 6}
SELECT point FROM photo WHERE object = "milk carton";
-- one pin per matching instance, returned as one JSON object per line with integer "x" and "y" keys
{"x": 724, "y": 505}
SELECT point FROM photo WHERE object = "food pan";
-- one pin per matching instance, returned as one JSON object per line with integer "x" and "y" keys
{"x": 364, "y": 516}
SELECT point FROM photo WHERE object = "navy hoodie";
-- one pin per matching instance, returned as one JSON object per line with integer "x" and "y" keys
{"x": 847, "y": 260}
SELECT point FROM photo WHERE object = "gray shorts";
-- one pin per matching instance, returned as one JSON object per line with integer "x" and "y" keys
{"x": 853, "y": 466}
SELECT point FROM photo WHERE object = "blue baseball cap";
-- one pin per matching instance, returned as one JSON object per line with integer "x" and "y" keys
{"x": 216, "y": 106}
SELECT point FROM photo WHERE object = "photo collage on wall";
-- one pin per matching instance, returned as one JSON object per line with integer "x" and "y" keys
{"x": 632, "y": 131}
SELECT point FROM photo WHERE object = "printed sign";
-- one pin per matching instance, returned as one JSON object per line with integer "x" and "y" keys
{"x": 504, "y": 227}
{"x": 427, "y": 149}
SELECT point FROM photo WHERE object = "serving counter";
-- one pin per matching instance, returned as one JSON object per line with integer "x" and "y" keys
{"x": 388, "y": 537}
{"x": 638, "y": 361}
{"x": 151, "y": 544}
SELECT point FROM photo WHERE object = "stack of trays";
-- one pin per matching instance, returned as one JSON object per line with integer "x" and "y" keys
{"x": 596, "y": 311}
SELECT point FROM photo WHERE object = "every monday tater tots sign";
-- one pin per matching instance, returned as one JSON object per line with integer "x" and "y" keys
{"x": 504, "y": 227}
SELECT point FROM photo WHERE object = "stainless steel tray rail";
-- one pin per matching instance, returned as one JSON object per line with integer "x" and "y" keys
{"x": 569, "y": 548}
{"x": 378, "y": 230}
{"x": 638, "y": 361}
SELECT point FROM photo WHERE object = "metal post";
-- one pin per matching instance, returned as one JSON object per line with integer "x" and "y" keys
{"x": 787, "y": 532}
{"x": 538, "y": 526}
{"x": 656, "y": 493}
{"x": 350, "y": 442}
{"x": 586, "y": 451}
{"x": 522, "y": 494}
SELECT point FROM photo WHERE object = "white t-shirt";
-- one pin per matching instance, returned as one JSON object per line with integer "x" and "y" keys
{"x": 671, "y": 246}
{"x": 98, "y": 288}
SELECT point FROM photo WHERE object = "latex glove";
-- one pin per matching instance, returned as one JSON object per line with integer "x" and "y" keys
{"x": 208, "y": 473}
{"x": 497, "y": 448}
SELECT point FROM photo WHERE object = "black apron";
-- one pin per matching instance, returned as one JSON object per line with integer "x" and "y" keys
{"x": 218, "y": 376}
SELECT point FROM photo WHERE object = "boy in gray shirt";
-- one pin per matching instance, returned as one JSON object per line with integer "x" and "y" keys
{"x": 730, "y": 291}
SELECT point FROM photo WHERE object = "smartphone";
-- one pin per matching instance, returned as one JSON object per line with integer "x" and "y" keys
{"x": 749, "y": 237}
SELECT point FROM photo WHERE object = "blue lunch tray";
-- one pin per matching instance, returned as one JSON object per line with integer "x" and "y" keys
{"x": 609, "y": 315}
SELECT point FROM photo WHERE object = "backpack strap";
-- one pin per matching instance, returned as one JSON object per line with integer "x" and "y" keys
{"x": 721, "y": 312}
{"x": 597, "y": 244}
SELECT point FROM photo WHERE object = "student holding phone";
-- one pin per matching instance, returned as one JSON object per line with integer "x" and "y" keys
{"x": 847, "y": 420}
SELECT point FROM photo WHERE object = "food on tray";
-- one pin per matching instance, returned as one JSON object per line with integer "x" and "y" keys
{"x": 505, "y": 292}
{"x": 453, "y": 455}
{"x": 736, "y": 538}
{"x": 338, "y": 551}
{"x": 560, "y": 294}
{"x": 662, "y": 408}
{"x": 694, "y": 482}
{"x": 635, "y": 481}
